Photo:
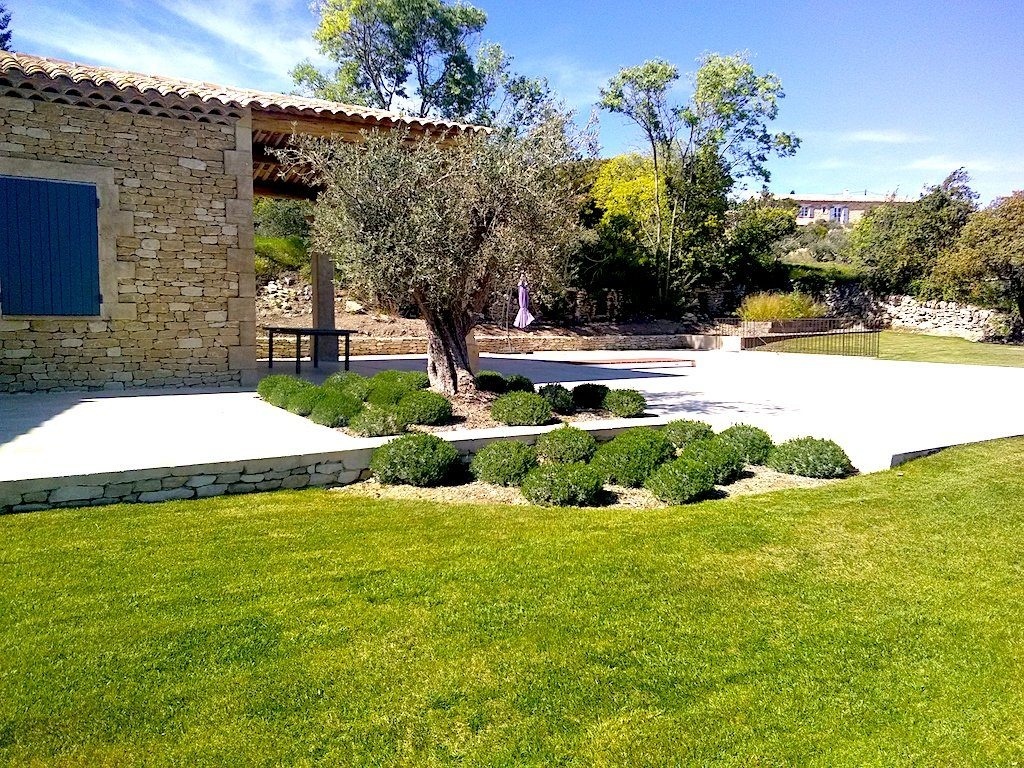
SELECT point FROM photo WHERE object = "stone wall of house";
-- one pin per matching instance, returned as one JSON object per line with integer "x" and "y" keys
{"x": 176, "y": 263}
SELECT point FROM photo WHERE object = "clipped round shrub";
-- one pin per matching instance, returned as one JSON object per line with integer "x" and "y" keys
{"x": 389, "y": 387}
{"x": 269, "y": 384}
{"x": 589, "y": 396}
{"x": 722, "y": 459}
{"x": 625, "y": 403}
{"x": 684, "y": 432}
{"x": 283, "y": 391}
{"x": 521, "y": 409}
{"x": 420, "y": 459}
{"x": 566, "y": 445}
{"x": 559, "y": 397}
{"x": 490, "y": 381}
{"x": 562, "y": 485}
{"x": 518, "y": 383}
{"x": 350, "y": 383}
{"x": 631, "y": 456}
{"x": 425, "y": 407}
{"x": 377, "y": 421}
{"x": 753, "y": 443}
{"x": 335, "y": 408}
{"x": 503, "y": 462}
{"x": 680, "y": 481}
{"x": 303, "y": 401}
{"x": 810, "y": 457}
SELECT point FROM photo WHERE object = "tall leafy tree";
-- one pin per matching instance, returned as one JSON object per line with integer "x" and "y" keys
{"x": 441, "y": 222}
{"x": 900, "y": 243}
{"x": 987, "y": 262}
{"x": 5, "y": 28}
{"x": 700, "y": 148}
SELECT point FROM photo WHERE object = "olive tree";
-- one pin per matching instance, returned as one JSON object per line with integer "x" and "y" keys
{"x": 442, "y": 221}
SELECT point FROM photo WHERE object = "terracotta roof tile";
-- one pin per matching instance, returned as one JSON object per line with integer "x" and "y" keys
{"x": 39, "y": 68}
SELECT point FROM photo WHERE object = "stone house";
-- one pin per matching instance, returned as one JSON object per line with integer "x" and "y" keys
{"x": 126, "y": 226}
{"x": 847, "y": 208}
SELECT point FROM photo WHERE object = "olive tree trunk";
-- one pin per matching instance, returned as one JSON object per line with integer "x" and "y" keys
{"x": 448, "y": 364}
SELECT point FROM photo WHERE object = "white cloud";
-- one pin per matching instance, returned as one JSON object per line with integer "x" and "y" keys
{"x": 947, "y": 163}
{"x": 877, "y": 136}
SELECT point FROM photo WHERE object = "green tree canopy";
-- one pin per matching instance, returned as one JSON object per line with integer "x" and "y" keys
{"x": 5, "y": 28}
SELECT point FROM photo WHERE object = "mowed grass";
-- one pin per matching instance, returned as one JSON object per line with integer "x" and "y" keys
{"x": 919, "y": 348}
{"x": 876, "y": 621}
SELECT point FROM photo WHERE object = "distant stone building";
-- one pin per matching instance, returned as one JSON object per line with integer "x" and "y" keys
{"x": 126, "y": 223}
{"x": 847, "y": 208}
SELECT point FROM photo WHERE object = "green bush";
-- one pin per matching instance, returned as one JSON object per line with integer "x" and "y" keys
{"x": 566, "y": 445}
{"x": 268, "y": 384}
{"x": 490, "y": 381}
{"x": 562, "y": 485}
{"x": 351, "y": 384}
{"x": 631, "y": 456}
{"x": 518, "y": 383}
{"x": 389, "y": 387}
{"x": 282, "y": 392}
{"x": 810, "y": 457}
{"x": 722, "y": 459}
{"x": 625, "y": 403}
{"x": 754, "y": 444}
{"x": 684, "y": 432}
{"x": 425, "y": 407}
{"x": 285, "y": 252}
{"x": 421, "y": 460}
{"x": 504, "y": 462}
{"x": 521, "y": 409}
{"x": 303, "y": 401}
{"x": 559, "y": 397}
{"x": 377, "y": 421}
{"x": 681, "y": 481}
{"x": 335, "y": 409}
{"x": 589, "y": 396}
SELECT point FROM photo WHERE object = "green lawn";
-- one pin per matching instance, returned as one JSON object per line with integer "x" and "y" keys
{"x": 876, "y": 621}
{"x": 897, "y": 345}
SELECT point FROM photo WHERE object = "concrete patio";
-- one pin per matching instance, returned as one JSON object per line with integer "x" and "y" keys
{"x": 881, "y": 412}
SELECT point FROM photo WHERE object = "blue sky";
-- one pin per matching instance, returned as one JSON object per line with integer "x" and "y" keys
{"x": 887, "y": 96}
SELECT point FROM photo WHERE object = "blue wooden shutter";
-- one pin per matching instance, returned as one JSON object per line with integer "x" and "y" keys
{"x": 49, "y": 248}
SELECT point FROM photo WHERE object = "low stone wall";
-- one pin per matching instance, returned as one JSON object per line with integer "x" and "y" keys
{"x": 517, "y": 343}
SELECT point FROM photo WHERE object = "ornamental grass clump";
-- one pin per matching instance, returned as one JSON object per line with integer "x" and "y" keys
{"x": 335, "y": 408}
{"x": 563, "y": 485}
{"x": 566, "y": 445}
{"x": 490, "y": 381}
{"x": 722, "y": 459}
{"x": 421, "y": 460}
{"x": 681, "y": 481}
{"x": 378, "y": 421}
{"x": 631, "y": 456}
{"x": 521, "y": 409}
{"x": 425, "y": 407}
{"x": 589, "y": 396}
{"x": 559, "y": 397}
{"x": 625, "y": 403}
{"x": 516, "y": 382}
{"x": 503, "y": 462}
{"x": 780, "y": 306}
{"x": 810, "y": 457}
{"x": 684, "y": 432}
{"x": 753, "y": 443}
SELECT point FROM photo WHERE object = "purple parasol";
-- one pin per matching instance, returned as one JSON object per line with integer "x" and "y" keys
{"x": 523, "y": 318}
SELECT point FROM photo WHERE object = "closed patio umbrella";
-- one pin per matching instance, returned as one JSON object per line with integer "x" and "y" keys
{"x": 523, "y": 317}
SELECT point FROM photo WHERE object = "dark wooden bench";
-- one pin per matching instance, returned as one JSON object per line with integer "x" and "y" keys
{"x": 298, "y": 333}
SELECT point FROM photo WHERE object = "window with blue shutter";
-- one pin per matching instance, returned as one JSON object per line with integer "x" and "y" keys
{"x": 49, "y": 247}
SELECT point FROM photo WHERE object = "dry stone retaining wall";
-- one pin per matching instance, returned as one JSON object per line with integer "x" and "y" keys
{"x": 176, "y": 250}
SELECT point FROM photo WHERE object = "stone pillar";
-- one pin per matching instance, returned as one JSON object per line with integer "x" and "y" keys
{"x": 322, "y": 270}
{"x": 242, "y": 260}
{"x": 474, "y": 352}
